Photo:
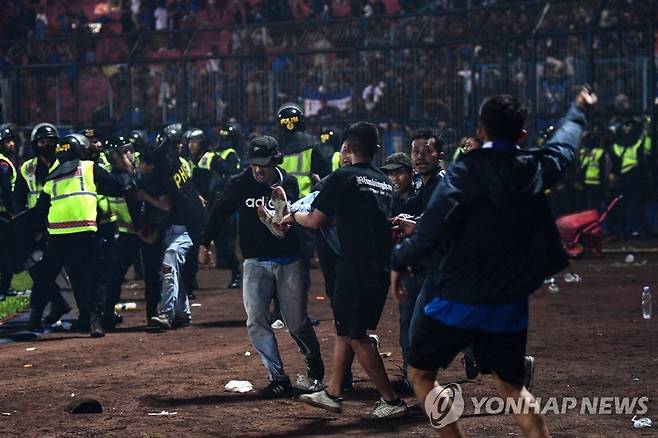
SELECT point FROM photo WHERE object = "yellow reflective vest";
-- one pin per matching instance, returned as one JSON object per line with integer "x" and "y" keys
{"x": 3, "y": 207}
{"x": 120, "y": 209}
{"x": 590, "y": 164}
{"x": 629, "y": 155}
{"x": 299, "y": 164}
{"x": 206, "y": 160}
{"x": 29, "y": 172}
{"x": 335, "y": 161}
{"x": 73, "y": 201}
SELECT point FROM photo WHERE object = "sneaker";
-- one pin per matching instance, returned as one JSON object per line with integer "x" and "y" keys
{"x": 35, "y": 324}
{"x": 236, "y": 281}
{"x": 374, "y": 339}
{"x": 471, "y": 367}
{"x": 308, "y": 384}
{"x": 322, "y": 400}
{"x": 528, "y": 372}
{"x": 182, "y": 321}
{"x": 384, "y": 411}
{"x": 56, "y": 313}
{"x": 280, "y": 201}
{"x": 162, "y": 321}
{"x": 96, "y": 327}
{"x": 266, "y": 215}
{"x": 278, "y": 324}
{"x": 276, "y": 389}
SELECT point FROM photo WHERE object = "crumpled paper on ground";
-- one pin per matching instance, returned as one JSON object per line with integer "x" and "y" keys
{"x": 240, "y": 386}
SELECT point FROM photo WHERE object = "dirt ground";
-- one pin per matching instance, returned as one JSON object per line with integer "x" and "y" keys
{"x": 589, "y": 340}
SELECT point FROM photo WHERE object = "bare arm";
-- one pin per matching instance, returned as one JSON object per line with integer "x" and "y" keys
{"x": 313, "y": 220}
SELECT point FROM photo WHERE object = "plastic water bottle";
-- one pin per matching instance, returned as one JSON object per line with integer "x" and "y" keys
{"x": 646, "y": 302}
{"x": 120, "y": 307}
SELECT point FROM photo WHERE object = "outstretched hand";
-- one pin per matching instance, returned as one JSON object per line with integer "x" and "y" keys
{"x": 586, "y": 98}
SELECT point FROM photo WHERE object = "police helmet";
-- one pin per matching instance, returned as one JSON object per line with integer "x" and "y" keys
{"x": 171, "y": 134}
{"x": 228, "y": 136}
{"x": 43, "y": 130}
{"x": 291, "y": 118}
{"x": 139, "y": 139}
{"x": 7, "y": 131}
{"x": 117, "y": 143}
{"x": 91, "y": 133}
{"x": 545, "y": 135}
{"x": 73, "y": 147}
{"x": 329, "y": 137}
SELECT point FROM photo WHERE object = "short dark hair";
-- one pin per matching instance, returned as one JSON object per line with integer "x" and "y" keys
{"x": 362, "y": 137}
{"x": 503, "y": 117}
{"x": 429, "y": 134}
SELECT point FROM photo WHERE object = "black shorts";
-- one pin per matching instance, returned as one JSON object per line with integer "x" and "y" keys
{"x": 358, "y": 300}
{"x": 434, "y": 345}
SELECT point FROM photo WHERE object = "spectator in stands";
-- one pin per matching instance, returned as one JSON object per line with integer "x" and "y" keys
{"x": 161, "y": 16}
{"x": 135, "y": 9}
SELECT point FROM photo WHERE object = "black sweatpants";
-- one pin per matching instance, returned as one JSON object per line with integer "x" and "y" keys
{"x": 125, "y": 254}
{"x": 75, "y": 252}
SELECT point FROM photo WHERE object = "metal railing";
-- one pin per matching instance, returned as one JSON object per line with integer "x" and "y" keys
{"x": 407, "y": 71}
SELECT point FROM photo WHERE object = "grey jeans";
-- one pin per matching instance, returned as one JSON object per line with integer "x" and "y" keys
{"x": 260, "y": 281}
{"x": 173, "y": 298}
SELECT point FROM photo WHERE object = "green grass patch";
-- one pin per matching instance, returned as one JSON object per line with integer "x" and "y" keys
{"x": 21, "y": 281}
{"x": 12, "y": 305}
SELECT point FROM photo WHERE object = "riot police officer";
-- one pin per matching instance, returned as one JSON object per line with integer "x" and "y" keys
{"x": 7, "y": 182}
{"x": 631, "y": 149}
{"x": 69, "y": 200}
{"x": 302, "y": 155}
{"x": 120, "y": 150}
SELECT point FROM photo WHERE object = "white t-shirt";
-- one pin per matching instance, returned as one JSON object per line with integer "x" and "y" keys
{"x": 161, "y": 16}
{"x": 135, "y": 6}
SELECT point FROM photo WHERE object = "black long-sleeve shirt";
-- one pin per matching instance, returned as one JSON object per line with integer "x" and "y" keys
{"x": 491, "y": 211}
{"x": 244, "y": 194}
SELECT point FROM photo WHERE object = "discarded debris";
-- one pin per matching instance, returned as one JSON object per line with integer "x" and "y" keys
{"x": 27, "y": 365}
{"x": 84, "y": 406}
{"x": 30, "y": 348}
{"x": 247, "y": 353}
{"x": 320, "y": 298}
{"x": 630, "y": 258}
{"x": 196, "y": 305}
{"x": 240, "y": 386}
{"x": 570, "y": 277}
{"x": 641, "y": 423}
{"x": 162, "y": 414}
{"x": 386, "y": 354}
{"x": 6, "y": 414}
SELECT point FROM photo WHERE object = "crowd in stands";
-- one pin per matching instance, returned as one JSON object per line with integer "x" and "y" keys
{"x": 425, "y": 80}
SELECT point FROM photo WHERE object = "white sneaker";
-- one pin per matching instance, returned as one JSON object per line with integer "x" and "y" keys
{"x": 374, "y": 339}
{"x": 278, "y": 324}
{"x": 265, "y": 215}
{"x": 384, "y": 411}
{"x": 307, "y": 384}
{"x": 280, "y": 201}
{"x": 322, "y": 400}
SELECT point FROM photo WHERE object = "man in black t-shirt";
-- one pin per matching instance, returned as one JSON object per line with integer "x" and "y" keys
{"x": 360, "y": 199}
{"x": 271, "y": 265}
